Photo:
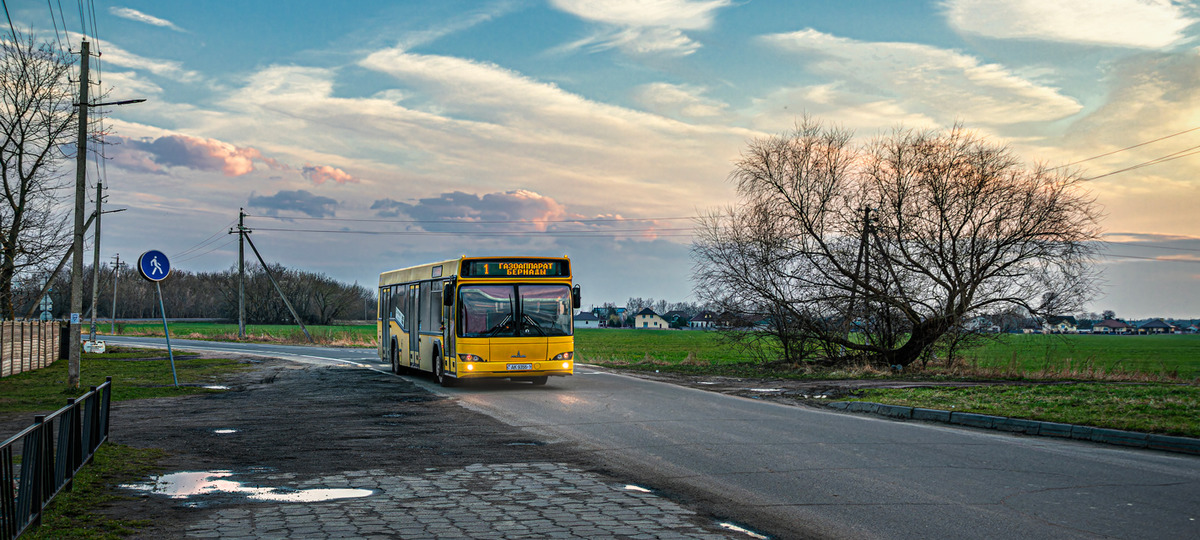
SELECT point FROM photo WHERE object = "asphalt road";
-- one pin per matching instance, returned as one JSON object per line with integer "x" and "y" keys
{"x": 801, "y": 472}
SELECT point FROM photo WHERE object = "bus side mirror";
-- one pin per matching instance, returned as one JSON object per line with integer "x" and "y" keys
{"x": 575, "y": 298}
{"x": 448, "y": 292}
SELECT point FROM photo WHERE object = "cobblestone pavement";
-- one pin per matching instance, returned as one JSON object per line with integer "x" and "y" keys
{"x": 525, "y": 500}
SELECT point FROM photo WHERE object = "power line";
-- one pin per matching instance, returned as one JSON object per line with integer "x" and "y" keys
{"x": 1169, "y": 157}
{"x": 198, "y": 255}
{"x": 16, "y": 42}
{"x": 1127, "y": 148}
{"x": 206, "y": 241}
{"x": 57, "y": 37}
{"x": 459, "y": 222}
{"x": 673, "y": 232}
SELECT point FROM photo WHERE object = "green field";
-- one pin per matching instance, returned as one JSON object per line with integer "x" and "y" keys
{"x": 1166, "y": 354}
{"x": 339, "y": 336}
{"x": 1007, "y": 356}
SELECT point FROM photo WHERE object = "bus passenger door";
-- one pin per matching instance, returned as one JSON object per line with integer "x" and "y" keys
{"x": 385, "y": 323}
{"x": 414, "y": 334}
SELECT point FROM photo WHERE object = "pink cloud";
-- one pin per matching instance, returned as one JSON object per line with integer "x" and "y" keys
{"x": 324, "y": 173}
{"x": 192, "y": 153}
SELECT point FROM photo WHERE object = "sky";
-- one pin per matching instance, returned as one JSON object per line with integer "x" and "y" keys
{"x": 365, "y": 136}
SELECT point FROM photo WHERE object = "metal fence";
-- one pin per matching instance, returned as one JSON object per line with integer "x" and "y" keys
{"x": 52, "y": 450}
{"x": 28, "y": 345}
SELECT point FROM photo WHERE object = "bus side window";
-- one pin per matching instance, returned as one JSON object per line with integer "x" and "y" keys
{"x": 399, "y": 297}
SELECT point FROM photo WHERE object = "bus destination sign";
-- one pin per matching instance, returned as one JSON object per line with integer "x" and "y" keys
{"x": 515, "y": 268}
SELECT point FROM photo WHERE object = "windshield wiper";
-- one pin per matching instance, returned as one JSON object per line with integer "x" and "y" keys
{"x": 496, "y": 329}
{"x": 534, "y": 324}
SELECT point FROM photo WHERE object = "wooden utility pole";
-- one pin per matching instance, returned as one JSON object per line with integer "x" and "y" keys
{"x": 77, "y": 243}
{"x": 96, "y": 263}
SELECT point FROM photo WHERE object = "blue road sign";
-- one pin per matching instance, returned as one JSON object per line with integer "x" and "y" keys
{"x": 154, "y": 266}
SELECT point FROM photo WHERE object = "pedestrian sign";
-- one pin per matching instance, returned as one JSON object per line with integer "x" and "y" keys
{"x": 154, "y": 266}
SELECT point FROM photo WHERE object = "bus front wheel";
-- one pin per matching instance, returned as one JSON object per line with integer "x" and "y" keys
{"x": 440, "y": 372}
{"x": 539, "y": 381}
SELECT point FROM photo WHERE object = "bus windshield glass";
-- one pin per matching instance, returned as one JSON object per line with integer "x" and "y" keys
{"x": 514, "y": 310}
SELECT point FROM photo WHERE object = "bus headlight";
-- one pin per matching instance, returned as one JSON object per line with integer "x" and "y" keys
{"x": 565, "y": 356}
{"x": 469, "y": 358}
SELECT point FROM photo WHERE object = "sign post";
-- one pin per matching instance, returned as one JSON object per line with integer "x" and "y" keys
{"x": 154, "y": 266}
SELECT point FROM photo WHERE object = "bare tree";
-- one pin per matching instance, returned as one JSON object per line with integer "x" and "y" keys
{"x": 876, "y": 251}
{"x": 36, "y": 122}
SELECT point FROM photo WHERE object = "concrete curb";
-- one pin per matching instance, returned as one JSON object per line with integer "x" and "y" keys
{"x": 1184, "y": 445}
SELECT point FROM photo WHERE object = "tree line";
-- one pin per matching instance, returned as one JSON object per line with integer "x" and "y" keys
{"x": 318, "y": 298}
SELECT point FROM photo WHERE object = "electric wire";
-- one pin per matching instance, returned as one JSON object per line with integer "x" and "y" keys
{"x": 489, "y": 222}
{"x": 198, "y": 255}
{"x": 16, "y": 41}
{"x": 57, "y": 36}
{"x": 674, "y": 232}
{"x": 1155, "y": 259}
{"x": 1106, "y": 154}
{"x": 206, "y": 241}
{"x": 1169, "y": 157}
{"x": 62, "y": 17}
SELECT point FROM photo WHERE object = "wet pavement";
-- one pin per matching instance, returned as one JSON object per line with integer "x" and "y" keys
{"x": 521, "y": 500}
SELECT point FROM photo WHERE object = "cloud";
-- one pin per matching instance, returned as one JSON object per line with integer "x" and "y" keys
{"x": 152, "y": 155}
{"x": 300, "y": 201}
{"x": 135, "y": 15}
{"x": 925, "y": 80}
{"x": 680, "y": 101}
{"x": 1148, "y": 24}
{"x": 449, "y": 211}
{"x": 643, "y": 27}
{"x": 116, "y": 56}
{"x": 324, "y": 173}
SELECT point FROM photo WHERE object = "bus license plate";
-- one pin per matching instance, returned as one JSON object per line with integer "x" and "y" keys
{"x": 520, "y": 367}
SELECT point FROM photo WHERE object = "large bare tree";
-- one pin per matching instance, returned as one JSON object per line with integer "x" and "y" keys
{"x": 875, "y": 251}
{"x": 36, "y": 122}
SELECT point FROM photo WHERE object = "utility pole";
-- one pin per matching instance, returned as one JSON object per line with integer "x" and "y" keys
{"x": 116, "y": 273}
{"x": 96, "y": 262}
{"x": 77, "y": 243}
{"x": 241, "y": 232}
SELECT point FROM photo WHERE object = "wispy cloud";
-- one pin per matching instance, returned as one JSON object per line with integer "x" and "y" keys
{"x": 679, "y": 101}
{"x": 320, "y": 174}
{"x": 642, "y": 27}
{"x": 925, "y": 80}
{"x": 120, "y": 57}
{"x": 1146, "y": 24}
{"x": 135, "y": 15}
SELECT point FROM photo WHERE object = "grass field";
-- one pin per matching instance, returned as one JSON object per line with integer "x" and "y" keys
{"x": 1166, "y": 354}
{"x": 338, "y": 336}
{"x": 136, "y": 373}
{"x": 1170, "y": 409}
{"x": 1008, "y": 356}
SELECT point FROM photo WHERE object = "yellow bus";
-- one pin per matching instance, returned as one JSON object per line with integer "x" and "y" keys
{"x": 480, "y": 317}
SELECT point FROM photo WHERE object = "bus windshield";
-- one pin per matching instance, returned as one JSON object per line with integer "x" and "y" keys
{"x": 514, "y": 310}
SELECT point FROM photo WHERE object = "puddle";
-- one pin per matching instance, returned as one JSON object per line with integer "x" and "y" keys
{"x": 766, "y": 389}
{"x": 215, "y": 387}
{"x": 743, "y": 530}
{"x": 706, "y": 382}
{"x": 224, "y": 431}
{"x": 183, "y": 485}
{"x": 632, "y": 487}
{"x": 525, "y": 443}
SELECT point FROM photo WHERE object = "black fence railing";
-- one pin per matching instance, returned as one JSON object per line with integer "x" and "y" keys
{"x": 52, "y": 450}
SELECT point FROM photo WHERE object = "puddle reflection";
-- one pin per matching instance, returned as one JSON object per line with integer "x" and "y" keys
{"x": 189, "y": 484}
